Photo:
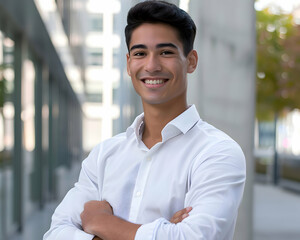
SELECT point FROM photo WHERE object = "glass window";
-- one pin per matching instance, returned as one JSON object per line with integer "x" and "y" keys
{"x": 116, "y": 58}
{"x": 95, "y": 56}
{"x": 92, "y": 132}
{"x": 96, "y": 21}
{"x": 116, "y": 27}
{"x": 94, "y": 97}
{"x": 7, "y": 112}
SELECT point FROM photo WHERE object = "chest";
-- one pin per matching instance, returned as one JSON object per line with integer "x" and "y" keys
{"x": 142, "y": 186}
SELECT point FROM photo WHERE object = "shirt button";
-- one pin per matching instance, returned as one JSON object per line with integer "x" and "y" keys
{"x": 138, "y": 194}
{"x": 148, "y": 158}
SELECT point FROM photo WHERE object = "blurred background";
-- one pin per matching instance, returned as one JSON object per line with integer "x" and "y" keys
{"x": 64, "y": 88}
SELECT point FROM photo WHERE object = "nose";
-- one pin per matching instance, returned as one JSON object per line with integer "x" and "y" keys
{"x": 152, "y": 64}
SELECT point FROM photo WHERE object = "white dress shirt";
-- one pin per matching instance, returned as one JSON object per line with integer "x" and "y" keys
{"x": 195, "y": 165}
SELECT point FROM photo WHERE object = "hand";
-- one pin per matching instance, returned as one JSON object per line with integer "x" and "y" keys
{"x": 180, "y": 215}
{"x": 98, "y": 219}
{"x": 93, "y": 215}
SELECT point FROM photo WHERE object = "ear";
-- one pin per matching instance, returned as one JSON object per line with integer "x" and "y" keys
{"x": 192, "y": 61}
{"x": 128, "y": 61}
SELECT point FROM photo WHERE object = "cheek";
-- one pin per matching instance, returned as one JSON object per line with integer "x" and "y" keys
{"x": 178, "y": 66}
{"x": 135, "y": 86}
{"x": 132, "y": 69}
{"x": 180, "y": 70}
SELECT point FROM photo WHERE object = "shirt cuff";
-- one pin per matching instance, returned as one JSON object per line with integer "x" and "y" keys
{"x": 74, "y": 234}
{"x": 148, "y": 231}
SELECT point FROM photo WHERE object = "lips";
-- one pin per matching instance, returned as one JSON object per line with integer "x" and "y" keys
{"x": 154, "y": 82}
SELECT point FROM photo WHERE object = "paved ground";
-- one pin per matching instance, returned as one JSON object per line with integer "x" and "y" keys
{"x": 276, "y": 213}
{"x": 276, "y": 216}
{"x": 37, "y": 225}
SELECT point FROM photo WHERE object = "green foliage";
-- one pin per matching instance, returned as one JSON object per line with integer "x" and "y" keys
{"x": 278, "y": 64}
{"x": 2, "y": 86}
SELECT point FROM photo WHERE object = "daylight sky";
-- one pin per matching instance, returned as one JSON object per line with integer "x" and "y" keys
{"x": 285, "y": 5}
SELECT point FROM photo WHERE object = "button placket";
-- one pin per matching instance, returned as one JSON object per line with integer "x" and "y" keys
{"x": 139, "y": 188}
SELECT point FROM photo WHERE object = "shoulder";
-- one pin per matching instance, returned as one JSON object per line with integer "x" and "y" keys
{"x": 212, "y": 135}
{"x": 218, "y": 146}
{"x": 210, "y": 132}
{"x": 108, "y": 146}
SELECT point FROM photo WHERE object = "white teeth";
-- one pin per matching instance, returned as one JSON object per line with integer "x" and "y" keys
{"x": 153, "y": 82}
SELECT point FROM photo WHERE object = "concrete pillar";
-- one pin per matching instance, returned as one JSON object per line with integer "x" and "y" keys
{"x": 129, "y": 101}
{"x": 223, "y": 87}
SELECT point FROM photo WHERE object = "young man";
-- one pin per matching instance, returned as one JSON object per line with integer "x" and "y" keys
{"x": 170, "y": 175}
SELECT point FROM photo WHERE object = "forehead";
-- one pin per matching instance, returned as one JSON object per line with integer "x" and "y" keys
{"x": 154, "y": 33}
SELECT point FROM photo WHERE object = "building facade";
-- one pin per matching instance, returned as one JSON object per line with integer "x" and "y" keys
{"x": 67, "y": 88}
{"x": 40, "y": 116}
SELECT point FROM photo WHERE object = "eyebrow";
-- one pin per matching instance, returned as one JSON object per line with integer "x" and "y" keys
{"x": 160, "y": 45}
{"x": 142, "y": 46}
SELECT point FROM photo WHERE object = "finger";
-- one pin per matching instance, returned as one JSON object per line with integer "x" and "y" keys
{"x": 176, "y": 220}
{"x": 180, "y": 218}
{"x": 181, "y": 212}
{"x": 108, "y": 205}
{"x": 180, "y": 215}
{"x": 188, "y": 209}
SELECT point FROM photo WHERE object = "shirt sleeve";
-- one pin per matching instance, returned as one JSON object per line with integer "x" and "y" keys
{"x": 215, "y": 192}
{"x": 66, "y": 222}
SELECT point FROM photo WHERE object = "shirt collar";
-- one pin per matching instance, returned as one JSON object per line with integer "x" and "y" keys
{"x": 186, "y": 120}
{"x": 181, "y": 124}
{"x": 137, "y": 126}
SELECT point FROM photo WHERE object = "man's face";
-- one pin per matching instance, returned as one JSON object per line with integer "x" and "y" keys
{"x": 157, "y": 65}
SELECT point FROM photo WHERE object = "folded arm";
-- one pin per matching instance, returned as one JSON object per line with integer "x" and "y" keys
{"x": 215, "y": 192}
{"x": 98, "y": 219}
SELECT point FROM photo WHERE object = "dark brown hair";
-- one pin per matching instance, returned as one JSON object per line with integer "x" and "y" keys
{"x": 152, "y": 11}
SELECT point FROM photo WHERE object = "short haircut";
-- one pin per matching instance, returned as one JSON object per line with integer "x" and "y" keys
{"x": 153, "y": 11}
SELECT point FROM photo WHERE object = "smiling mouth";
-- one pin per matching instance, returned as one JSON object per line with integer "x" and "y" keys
{"x": 154, "y": 81}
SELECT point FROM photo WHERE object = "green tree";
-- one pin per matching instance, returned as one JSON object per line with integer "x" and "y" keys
{"x": 278, "y": 65}
{"x": 292, "y": 67}
{"x": 278, "y": 69}
{"x": 2, "y": 99}
{"x": 2, "y": 86}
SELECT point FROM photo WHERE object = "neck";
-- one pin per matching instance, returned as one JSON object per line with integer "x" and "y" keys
{"x": 156, "y": 117}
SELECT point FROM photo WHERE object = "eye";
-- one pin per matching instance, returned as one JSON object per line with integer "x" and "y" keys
{"x": 167, "y": 52}
{"x": 139, "y": 54}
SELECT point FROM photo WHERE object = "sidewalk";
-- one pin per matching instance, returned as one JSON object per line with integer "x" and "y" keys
{"x": 276, "y": 216}
{"x": 276, "y": 213}
{"x": 37, "y": 225}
